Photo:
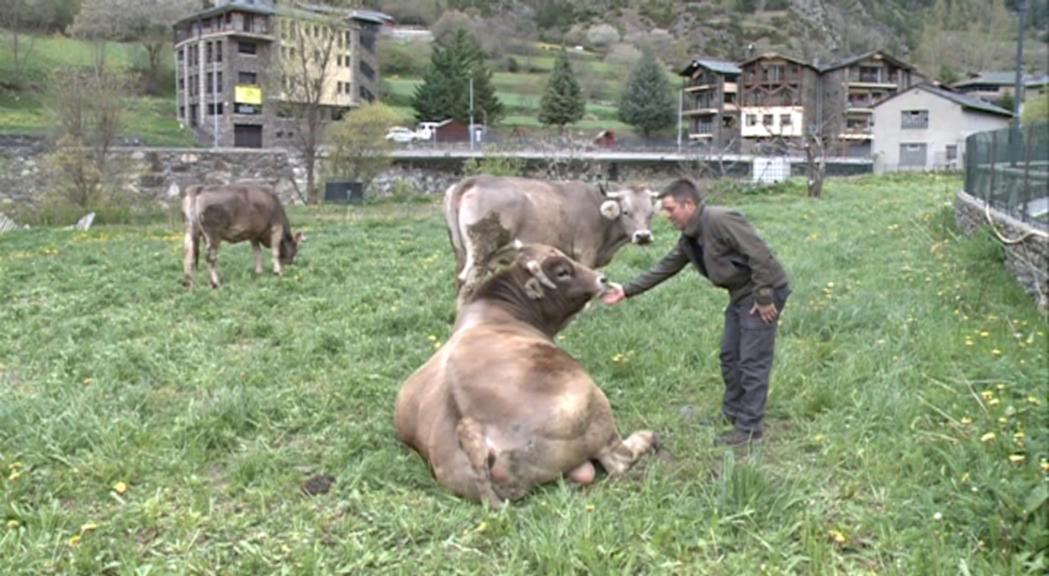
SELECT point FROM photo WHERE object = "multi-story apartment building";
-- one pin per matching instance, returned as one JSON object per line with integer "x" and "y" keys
{"x": 778, "y": 97}
{"x": 711, "y": 104}
{"x": 775, "y": 99}
{"x": 849, "y": 90}
{"x": 233, "y": 63}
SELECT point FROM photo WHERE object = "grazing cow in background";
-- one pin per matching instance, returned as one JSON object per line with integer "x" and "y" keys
{"x": 500, "y": 408}
{"x": 235, "y": 213}
{"x": 487, "y": 213}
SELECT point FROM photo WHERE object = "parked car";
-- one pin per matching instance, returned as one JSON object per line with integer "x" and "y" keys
{"x": 401, "y": 135}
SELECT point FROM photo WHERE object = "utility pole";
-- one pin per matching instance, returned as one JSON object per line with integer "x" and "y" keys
{"x": 214, "y": 108}
{"x": 1015, "y": 136}
{"x": 1021, "y": 10}
{"x": 680, "y": 108}
{"x": 471, "y": 135}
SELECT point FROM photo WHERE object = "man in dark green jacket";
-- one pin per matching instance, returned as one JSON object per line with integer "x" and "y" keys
{"x": 725, "y": 248}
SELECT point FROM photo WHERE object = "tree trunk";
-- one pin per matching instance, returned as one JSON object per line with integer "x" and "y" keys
{"x": 814, "y": 164}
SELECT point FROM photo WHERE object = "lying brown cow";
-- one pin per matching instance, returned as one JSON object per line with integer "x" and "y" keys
{"x": 235, "y": 213}
{"x": 500, "y": 408}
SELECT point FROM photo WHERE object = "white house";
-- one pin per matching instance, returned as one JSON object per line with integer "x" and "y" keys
{"x": 924, "y": 128}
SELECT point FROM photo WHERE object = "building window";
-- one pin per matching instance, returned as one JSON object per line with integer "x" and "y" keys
{"x": 192, "y": 114}
{"x": 784, "y": 120}
{"x": 181, "y": 83}
{"x": 247, "y": 109}
{"x": 766, "y": 120}
{"x": 207, "y": 51}
{"x": 180, "y": 54}
{"x": 249, "y": 22}
{"x": 915, "y": 119}
{"x": 215, "y": 109}
{"x": 752, "y": 119}
{"x": 246, "y": 47}
{"x": 952, "y": 152}
{"x": 218, "y": 51}
{"x": 208, "y": 83}
{"x": 181, "y": 111}
{"x": 218, "y": 83}
{"x": 247, "y": 78}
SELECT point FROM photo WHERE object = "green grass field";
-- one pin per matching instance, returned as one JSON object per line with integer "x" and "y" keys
{"x": 146, "y": 429}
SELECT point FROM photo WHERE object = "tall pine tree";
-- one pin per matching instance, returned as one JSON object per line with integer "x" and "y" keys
{"x": 562, "y": 101}
{"x": 648, "y": 102}
{"x": 445, "y": 91}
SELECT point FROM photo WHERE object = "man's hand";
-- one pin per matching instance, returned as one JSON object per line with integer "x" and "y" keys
{"x": 614, "y": 295}
{"x": 768, "y": 312}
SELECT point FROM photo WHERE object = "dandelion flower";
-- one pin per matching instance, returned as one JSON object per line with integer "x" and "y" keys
{"x": 992, "y": 402}
{"x": 1016, "y": 458}
{"x": 1033, "y": 400}
{"x": 120, "y": 488}
{"x": 13, "y": 524}
{"x": 90, "y": 526}
{"x": 987, "y": 437}
{"x": 836, "y": 536}
{"x": 987, "y": 394}
{"x": 1044, "y": 466}
{"x": 996, "y": 352}
{"x": 74, "y": 541}
{"x": 984, "y": 334}
{"x": 966, "y": 420}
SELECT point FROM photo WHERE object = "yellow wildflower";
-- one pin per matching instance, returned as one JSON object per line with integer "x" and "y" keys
{"x": 1044, "y": 466}
{"x": 996, "y": 352}
{"x": 1033, "y": 400}
{"x": 13, "y": 524}
{"x": 74, "y": 540}
{"x": 120, "y": 488}
{"x": 90, "y": 526}
{"x": 1016, "y": 458}
{"x": 987, "y": 437}
{"x": 966, "y": 420}
{"x": 992, "y": 402}
{"x": 836, "y": 536}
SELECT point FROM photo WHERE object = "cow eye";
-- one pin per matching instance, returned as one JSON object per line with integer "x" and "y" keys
{"x": 563, "y": 272}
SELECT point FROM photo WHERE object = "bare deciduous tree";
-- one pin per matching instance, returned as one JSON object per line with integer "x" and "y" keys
{"x": 89, "y": 109}
{"x": 305, "y": 81}
{"x": 19, "y": 18}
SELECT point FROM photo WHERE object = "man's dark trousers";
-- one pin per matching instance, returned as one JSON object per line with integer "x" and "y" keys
{"x": 746, "y": 361}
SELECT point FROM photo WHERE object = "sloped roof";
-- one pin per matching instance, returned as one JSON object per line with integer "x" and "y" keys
{"x": 1002, "y": 78}
{"x": 879, "y": 53}
{"x": 771, "y": 55}
{"x": 962, "y": 100}
{"x": 222, "y": 9}
{"x": 718, "y": 66}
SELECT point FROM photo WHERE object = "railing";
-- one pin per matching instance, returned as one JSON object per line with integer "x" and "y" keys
{"x": 1009, "y": 170}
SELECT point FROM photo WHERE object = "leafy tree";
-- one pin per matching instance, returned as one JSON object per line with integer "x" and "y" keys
{"x": 648, "y": 102}
{"x": 562, "y": 102}
{"x": 445, "y": 91}
{"x": 359, "y": 148}
{"x": 1036, "y": 109}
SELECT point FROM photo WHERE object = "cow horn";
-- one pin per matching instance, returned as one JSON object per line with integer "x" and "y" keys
{"x": 606, "y": 193}
{"x": 537, "y": 271}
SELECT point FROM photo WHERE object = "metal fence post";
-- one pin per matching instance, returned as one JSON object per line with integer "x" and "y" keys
{"x": 993, "y": 154}
{"x": 1025, "y": 195}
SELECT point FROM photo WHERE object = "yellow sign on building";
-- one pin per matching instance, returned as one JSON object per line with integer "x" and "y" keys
{"x": 247, "y": 95}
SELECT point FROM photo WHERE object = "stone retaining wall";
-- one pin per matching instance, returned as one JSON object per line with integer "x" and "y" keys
{"x": 1028, "y": 259}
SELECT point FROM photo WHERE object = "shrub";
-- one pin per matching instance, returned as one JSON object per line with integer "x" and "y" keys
{"x": 494, "y": 166}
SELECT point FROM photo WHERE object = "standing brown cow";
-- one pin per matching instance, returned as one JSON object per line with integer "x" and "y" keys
{"x": 235, "y": 213}
{"x": 501, "y": 408}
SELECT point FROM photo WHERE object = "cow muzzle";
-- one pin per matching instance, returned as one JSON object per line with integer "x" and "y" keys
{"x": 642, "y": 237}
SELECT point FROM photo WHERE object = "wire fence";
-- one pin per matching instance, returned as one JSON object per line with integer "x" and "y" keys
{"x": 1009, "y": 170}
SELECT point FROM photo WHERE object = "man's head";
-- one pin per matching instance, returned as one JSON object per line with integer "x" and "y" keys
{"x": 680, "y": 200}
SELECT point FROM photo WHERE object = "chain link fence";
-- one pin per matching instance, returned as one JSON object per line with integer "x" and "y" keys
{"x": 1009, "y": 170}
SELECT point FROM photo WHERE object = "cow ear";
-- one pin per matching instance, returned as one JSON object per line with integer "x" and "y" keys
{"x": 300, "y": 238}
{"x": 610, "y": 209}
{"x": 533, "y": 289}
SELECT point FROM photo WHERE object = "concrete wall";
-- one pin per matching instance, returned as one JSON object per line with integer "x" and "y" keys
{"x": 949, "y": 124}
{"x": 1028, "y": 259}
